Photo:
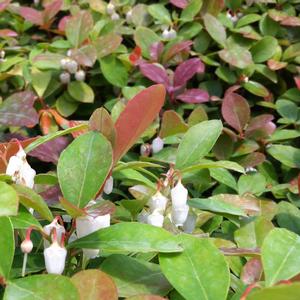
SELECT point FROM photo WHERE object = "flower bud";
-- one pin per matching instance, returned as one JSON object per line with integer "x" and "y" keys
{"x": 2, "y": 54}
{"x": 157, "y": 145}
{"x": 26, "y": 246}
{"x": 179, "y": 215}
{"x": 172, "y": 34}
{"x": 72, "y": 66}
{"x": 165, "y": 34}
{"x": 109, "y": 184}
{"x": 158, "y": 202}
{"x": 65, "y": 78}
{"x": 129, "y": 16}
{"x": 179, "y": 195}
{"x": 115, "y": 16}
{"x": 64, "y": 63}
{"x": 55, "y": 258}
{"x": 80, "y": 75}
{"x": 156, "y": 219}
{"x": 145, "y": 149}
{"x": 69, "y": 53}
{"x": 110, "y": 9}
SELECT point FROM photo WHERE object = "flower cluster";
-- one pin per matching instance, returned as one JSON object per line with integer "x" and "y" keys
{"x": 70, "y": 66}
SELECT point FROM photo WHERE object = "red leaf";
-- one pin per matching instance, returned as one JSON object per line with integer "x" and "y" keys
{"x": 252, "y": 271}
{"x": 261, "y": 126}
{"x": 135, "y": 55}
{"x": 17, "y": 110}
{"x": 4, "y": 4}
{"x": 32, "y": 15}
{"x": 156, "y": 50}
{"x": 251, "y": 160}
{"x": 275, "y": 65}
{"x": 194, "y": 96}
{"x": 155, "y": 73}
{"x": 297, "y": 81}
{"x": 177, "y": 48}
{"x": 62, "y": 23}
{"x": 236, "y": 111}
{"x": 179, "y": 3}
{"x": 139, "y": 113}
{"x": 186, "y": 70}
{"x": 51, "y": 10}
{"x": 7, "y": 33}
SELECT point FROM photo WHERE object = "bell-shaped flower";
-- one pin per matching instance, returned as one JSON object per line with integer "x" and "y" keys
{"x": 19, "y": 169}
{"x": 158, "y": 202}
{"x": 179, "y": 215}
{"x": 156, "y": 219}
{"x": 157, "y": 145}
{"x": 190, "y": 223}
{"x": 179, "y": 195}
{"x": 88, "y": 224}
{"x": 60, "y": 231}
{"x": 55, "y": 257}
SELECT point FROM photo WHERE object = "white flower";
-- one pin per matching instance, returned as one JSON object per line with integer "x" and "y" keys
{"x": 55, "y": 258}
{"x": 80, "y": 75}
{"x": 179, "y": 215}
{"x": 65, "y": 78}
{"x": 60, "y": 231}
{"x": 108, "y": 186}
{"x": 190, "y": 223}
{"x": 165, "y": 34}
{"x": 26, "y": 246}
{"x": 172, "y": 34}
{"x": 110, "y": 9}
{"x": 142, "y": 217}
{"x": 129, "y": 16}
{"x": 115, "y": 16}
{"x": 179, "y": 195}
{"x": 157, "y": 145}
{"x": 19, "y": 169}
{"x": 64, "y": 63}
{"x": 158, "y": 202}
{"x": 72, "y": 66}
{"x": 86, "y": 225}
{"x": 156, "y": 219}
{"x": 2, "y": 54}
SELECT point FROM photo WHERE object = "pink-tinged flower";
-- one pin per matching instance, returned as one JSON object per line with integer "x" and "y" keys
{"x": 59, "y": 229}
{"x": 297, "y": 81}
{"x": 19, "y": 169}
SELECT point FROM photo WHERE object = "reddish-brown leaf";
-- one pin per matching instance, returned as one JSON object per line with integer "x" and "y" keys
{"x": 107, "y": 44}
{"x": 17, "y": 110}
{"x": 32, "y": 15}
{"x": 194, "y": 96}
{"x": 85, "y": 55}
{"x": 275, "y": 65}
{"x": 51, "y": 10}
{"x": 95, "y": 284}
{"x": 4, "y": 4}
{"x": 180, "y": 3}
{"x": 236, "y": 111}
{"x": 260, "y": 126}
{"x": 139, "y": 113}
{"x": 175, "y": 49}
{"x": 171, "y": 124}
{"x": 155, "y": 73}
{"x": 7, "y": 33}
{"x": 252, "y": 271}
{"x": 251, "y": 160}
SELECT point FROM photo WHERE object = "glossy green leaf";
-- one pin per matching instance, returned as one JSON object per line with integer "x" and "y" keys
{"x": 197, "y": 142}
{"x": 83, "y": 167}
{"x": 131, "y": 237}
{"x": 287, "y": 155}
{"x": 288, "y": 216}
{"x": 137, "y": 277}
{"x": 215, "y": 29}
{"x": 264, "y": 49}
{"x": 81, "y": 91}
{"x": 160, "y": 13}
{"x": 9, "y": 200}
{"x": 7, "y": 246}
{"x": 41, "y": 287}
{"x": 192, "y": 9}
{"x": 223, "y": 176}
{"x": 287, "y": 109}
{"x": 31, "y": 199}
{"x": 114, "y": 71}
{"x": 24, "y": 219}
{"x": 256, "y": 88}
{"x": 188, "y": 271}
{"x": 252, "y": 184}
{"x": 280, "y": 255}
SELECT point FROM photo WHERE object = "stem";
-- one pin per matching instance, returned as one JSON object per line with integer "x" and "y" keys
{"x": 24, "y": 264}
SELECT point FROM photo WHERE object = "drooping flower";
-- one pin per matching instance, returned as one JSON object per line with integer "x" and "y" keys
{"x": 157, "y": 145}
{"x": 59, "y": 229}
{"x": 156, "y": 219}
{"x": 108, "y": 186}
{"x": 179, "y": 195}
{"x": 158, "y": 202}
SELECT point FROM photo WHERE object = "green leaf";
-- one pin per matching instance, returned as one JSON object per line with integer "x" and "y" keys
{"x": 247, "y": 19}
{"x": 280, "y": 255}
{"x": 81, "y": 91}
{"x": 9, "y": 200}
{"x": 256, "y": 88}
{"x": 40, "y": 81}
{"x": 288, "y": 216}
{"x": 192, "y": 9}
{"x": 41, "y": 287}
{"x": 236, "y": 56}
{"x": 223, "y": 176}
{"x": 94, "y": 284}
{"x": 216, "y": 205}
{"x": 78, "y": 27}
{"x": 129, "y": 237}
{"x": 215, "y": 29}
{"x": 264, "y": 49}
{"x": 279, "y": 292}
{"x": 144, "y": 38}
{"x": 291, "y": 52}
{"x": 252, "y": 183}
{"x": 288, "y": 110}
{"x": 137, "y": 276}
{"x": 287, "y": 155}
{"x": 114, "y": 71}
{"x": 7, "y": 246}
{"x": 51, "y": 136}
{"x": 198, "y": 270}
{"x": 107, "y": 44}
{"x": 31, "y": 199}
{"x": 160, "y": 13}
{"x": 83, "y": 167}
{"x": 24, "y": 219}
{"x": 197, "y": 142}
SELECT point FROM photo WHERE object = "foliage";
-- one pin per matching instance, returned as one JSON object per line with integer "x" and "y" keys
{"x": 181, "y": 114}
